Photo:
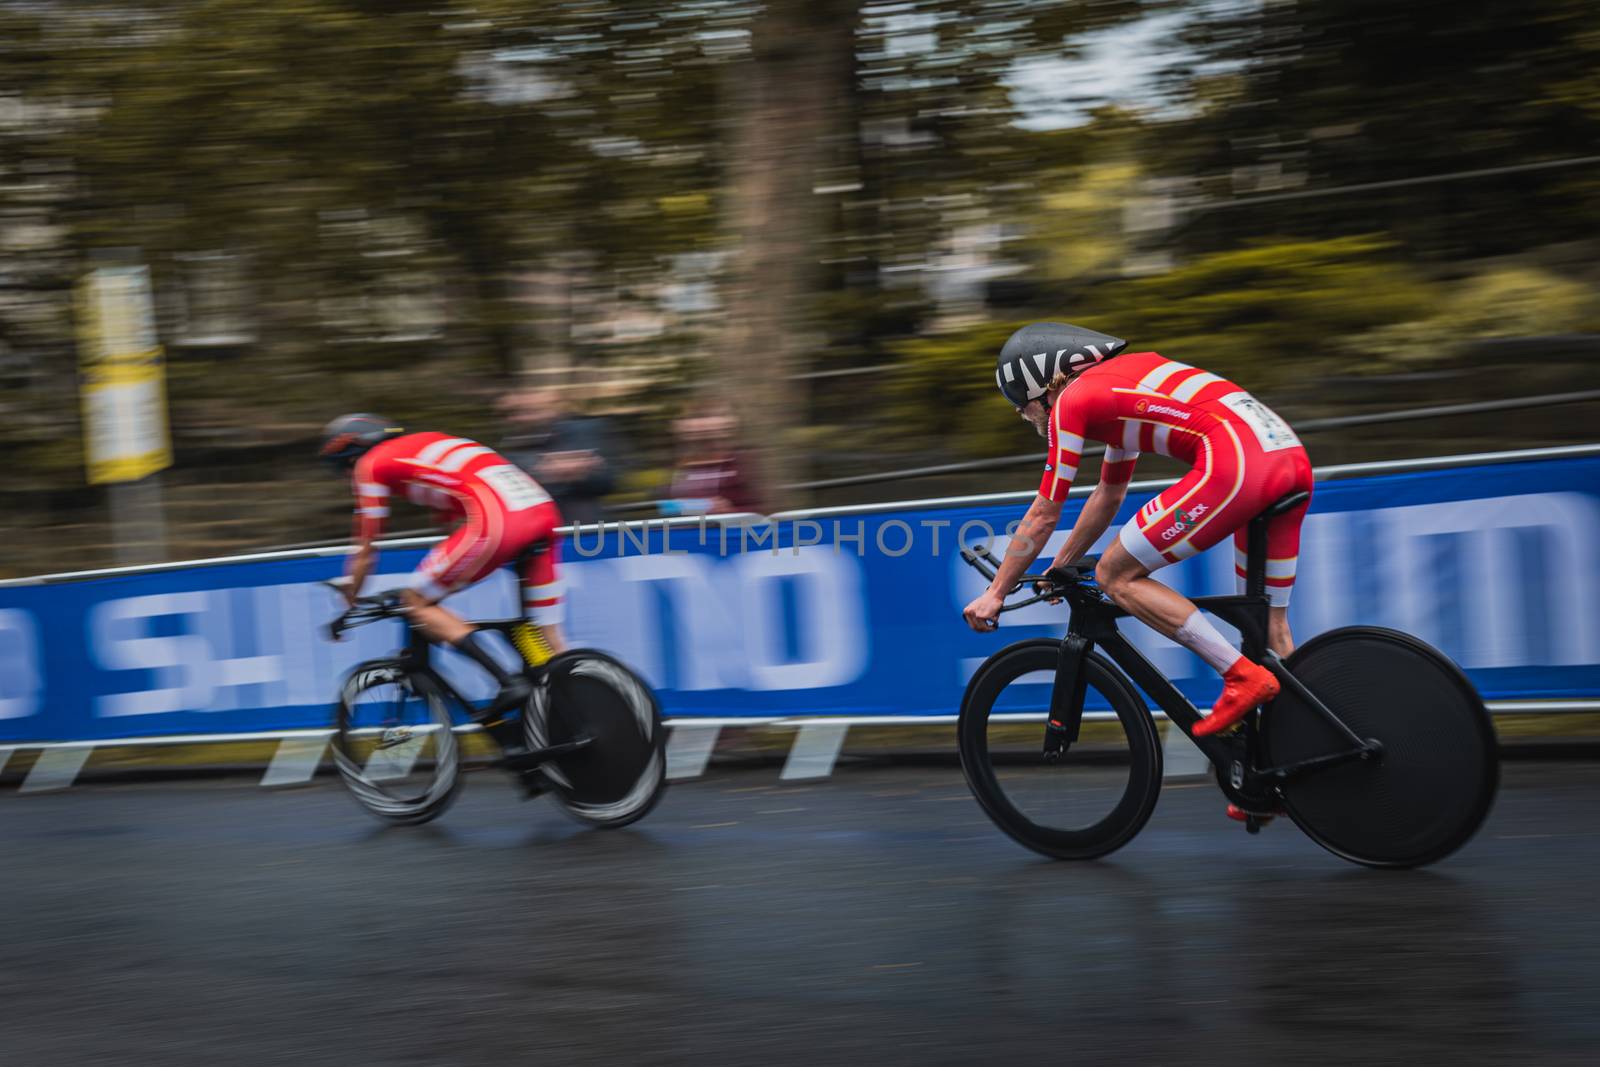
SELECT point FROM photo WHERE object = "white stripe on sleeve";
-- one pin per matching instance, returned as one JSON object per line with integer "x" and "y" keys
{"x": 431, "y": 454}
{"x": 1159, "y": 441}
{"x": 462, "y": 456}
{"x": 1186, "y": 392}
{"x": 1130, "y": 437}
{"x": 1151, "y": 382}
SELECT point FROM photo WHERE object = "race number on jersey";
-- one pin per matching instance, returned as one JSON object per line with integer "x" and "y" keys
{"x": 1270, "y": 430}
{"x": 512, "y": 485}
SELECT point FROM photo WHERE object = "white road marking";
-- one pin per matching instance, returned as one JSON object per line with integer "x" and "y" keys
{"x": 295, "y": 761}
{"x": 56, "y": 768}
{"x": 814, "y": 751}
{"x": 1181, "y": 758}
{"x": 689, "y": 750}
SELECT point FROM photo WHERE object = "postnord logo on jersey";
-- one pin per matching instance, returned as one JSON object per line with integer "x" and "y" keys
{"x": 1145, "y": 407}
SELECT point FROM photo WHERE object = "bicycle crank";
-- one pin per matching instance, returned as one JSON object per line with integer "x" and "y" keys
{"x": 528, "y": 759}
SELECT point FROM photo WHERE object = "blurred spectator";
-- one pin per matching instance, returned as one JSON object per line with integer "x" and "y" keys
{"x": 710, "y": 477}
{"x": 568, "y": 454}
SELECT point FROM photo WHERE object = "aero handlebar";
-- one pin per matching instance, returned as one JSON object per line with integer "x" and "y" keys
{"x": 367, "y": 609}
{"x": 1051, "y": 585}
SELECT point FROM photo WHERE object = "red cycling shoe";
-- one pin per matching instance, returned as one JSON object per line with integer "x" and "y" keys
{"x": 1245, "y": 686}
{"x": 1238, "y": 814}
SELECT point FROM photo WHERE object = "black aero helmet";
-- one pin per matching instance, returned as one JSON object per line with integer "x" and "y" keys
{"x": 347, "y": 438}
{"x": 1034, "y": 354}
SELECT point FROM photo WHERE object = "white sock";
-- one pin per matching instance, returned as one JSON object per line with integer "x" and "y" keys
{"x": 1200, "y": 637}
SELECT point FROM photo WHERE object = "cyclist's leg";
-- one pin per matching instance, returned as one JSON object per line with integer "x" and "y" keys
{"x": 1182, "y": 520}
{"x": 473, "y": 552}
{"x": 451, "y": 565}
{"x": 1283, "y": 554}
{"x": 543, "y": 604}
{"x": 1127, "y": 582}
{"x": 1226, "y": 489}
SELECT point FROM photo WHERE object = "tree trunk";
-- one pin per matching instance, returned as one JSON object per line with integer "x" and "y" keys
{"x": 790, "y": 103}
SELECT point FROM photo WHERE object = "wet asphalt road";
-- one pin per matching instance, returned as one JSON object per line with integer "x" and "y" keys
{"x": 872, "y": 917}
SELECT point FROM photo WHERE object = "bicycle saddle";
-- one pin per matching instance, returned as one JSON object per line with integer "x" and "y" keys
{"x": 1286, "y": 503}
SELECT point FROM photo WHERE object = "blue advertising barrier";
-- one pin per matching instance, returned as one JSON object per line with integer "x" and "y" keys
{"x": 836, "y": 613}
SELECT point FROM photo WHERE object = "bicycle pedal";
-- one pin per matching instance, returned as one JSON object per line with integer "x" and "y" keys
{"x": 1253, "y": 820}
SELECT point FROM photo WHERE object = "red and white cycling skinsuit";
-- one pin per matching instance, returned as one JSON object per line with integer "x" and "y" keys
{"x": 1243, "y": 456}
{"x": 503, "y": 512}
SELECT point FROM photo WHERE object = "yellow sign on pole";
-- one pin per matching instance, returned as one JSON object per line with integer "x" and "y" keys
{"x": 124, "y": 386}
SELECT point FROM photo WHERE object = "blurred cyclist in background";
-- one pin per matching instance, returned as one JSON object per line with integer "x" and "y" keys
{"x": 1065, "y": 381}
{"x": 504, "y": 516}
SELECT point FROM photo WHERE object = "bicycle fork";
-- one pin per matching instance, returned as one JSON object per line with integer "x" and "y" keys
{"x": 1067, "y": 695}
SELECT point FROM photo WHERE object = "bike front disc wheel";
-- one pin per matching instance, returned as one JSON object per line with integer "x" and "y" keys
{"x": 1431, "y": 786}
{"x": 619, "y": 773}
{"x": 393, "y": 744}
{"x": 1098, "y": 794}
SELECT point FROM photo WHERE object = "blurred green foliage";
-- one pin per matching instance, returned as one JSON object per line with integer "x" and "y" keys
{"x": 1500, "y": 302}
{"x": 943, "y": 392}
{"x": 1271, "y": 311}
{"x": 1265, "y": 314}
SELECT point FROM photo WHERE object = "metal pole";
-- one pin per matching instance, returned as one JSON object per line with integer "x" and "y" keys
{"x": 138, "y": 521}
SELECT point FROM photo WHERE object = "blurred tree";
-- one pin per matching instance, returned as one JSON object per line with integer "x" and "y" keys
{"x": 865, "y": 137}
{"x": 1301, "y": 95}
{"x": 786, "y": 122}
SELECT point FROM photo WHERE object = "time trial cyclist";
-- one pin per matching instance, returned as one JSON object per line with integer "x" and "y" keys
{"x": 500, "y": 514}
{"x": 1076, "y": 385}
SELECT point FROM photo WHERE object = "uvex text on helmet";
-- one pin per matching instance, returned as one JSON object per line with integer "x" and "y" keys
{"x": 1037, "y": 352}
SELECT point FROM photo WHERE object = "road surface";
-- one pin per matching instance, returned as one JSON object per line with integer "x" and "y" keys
{"x": 872, "y": 917}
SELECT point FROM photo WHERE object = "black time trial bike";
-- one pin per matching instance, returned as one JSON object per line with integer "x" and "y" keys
{"x": 1377, "y": 746}
{"x": 590, "y": 735}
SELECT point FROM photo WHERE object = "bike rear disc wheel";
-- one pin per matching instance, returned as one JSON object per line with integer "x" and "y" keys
{"x": 1098, "y": 795}
{"x": 394, "y": 746}
{"x": 620, "y": 774}
{"x": 1430, "y": 788}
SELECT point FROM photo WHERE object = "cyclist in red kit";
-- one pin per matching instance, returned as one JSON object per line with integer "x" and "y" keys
{"x": 503, "y": 516}
{"x": 1076, "y": 385}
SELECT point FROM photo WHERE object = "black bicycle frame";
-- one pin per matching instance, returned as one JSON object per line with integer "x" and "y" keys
{"x": 1236, "y": 756}
{"x": 1094, "y": 622}
{"x": 417, "y": 658}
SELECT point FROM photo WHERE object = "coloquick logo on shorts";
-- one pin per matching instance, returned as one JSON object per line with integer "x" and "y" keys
{"x": 1182, "y": 521}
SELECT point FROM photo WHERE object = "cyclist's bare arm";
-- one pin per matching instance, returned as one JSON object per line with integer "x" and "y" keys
{"x": 1034, "y": 530}
{"x": 1036, "y": 527}
{"x": 359, "y": 567}
{"x": 1095, "y": 518}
